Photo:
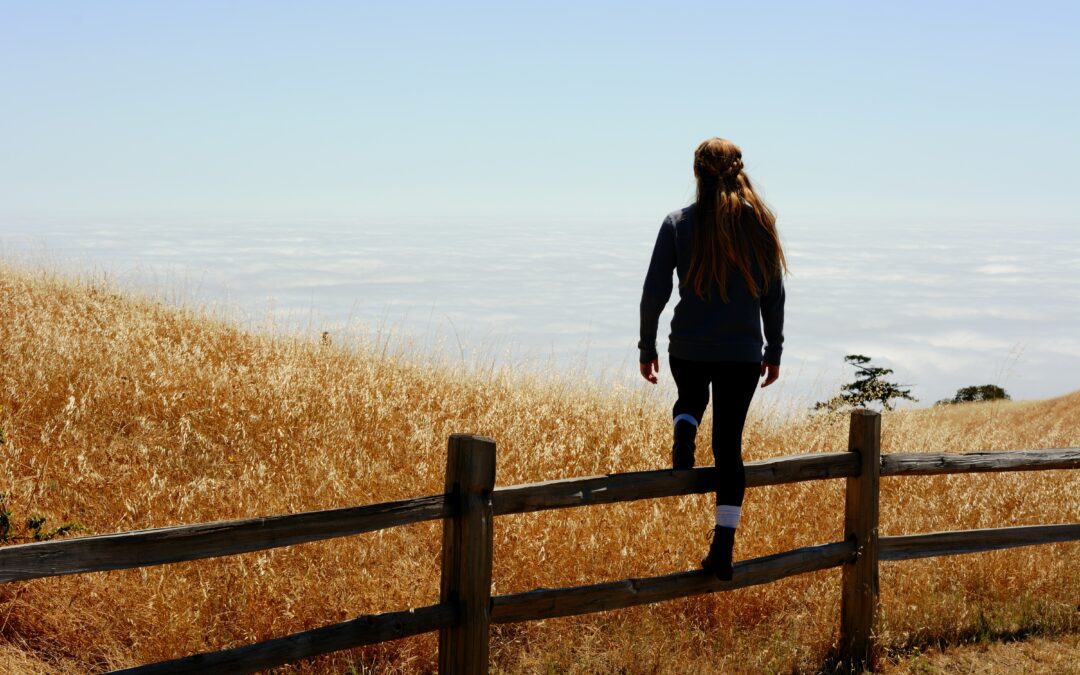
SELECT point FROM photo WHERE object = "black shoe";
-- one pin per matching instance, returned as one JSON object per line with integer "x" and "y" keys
{"x": 682, "y": 451}
{"x": 718, "y": 560}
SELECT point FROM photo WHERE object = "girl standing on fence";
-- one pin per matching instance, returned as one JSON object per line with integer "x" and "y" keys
{"x": 727, "y": 253}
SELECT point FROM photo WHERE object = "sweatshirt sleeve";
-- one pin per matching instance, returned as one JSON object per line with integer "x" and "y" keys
{"x": 772, "y": 316}
{"x": 657, "y": 289}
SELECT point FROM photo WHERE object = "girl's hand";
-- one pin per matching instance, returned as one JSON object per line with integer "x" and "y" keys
{"x": 770, "y": 371}
{"x": 650, "y": 369}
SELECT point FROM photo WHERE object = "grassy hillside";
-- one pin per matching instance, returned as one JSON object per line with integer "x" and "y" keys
{"x": 122, "y": 413}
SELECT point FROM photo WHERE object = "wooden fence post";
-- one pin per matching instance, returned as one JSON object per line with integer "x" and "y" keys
{"x": 858, "y": 601}
{"x": 466, "y": 554}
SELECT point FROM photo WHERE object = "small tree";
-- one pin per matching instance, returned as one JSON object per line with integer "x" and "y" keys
{"x": 869, "y": 387}
{"x": 982, "y": 392}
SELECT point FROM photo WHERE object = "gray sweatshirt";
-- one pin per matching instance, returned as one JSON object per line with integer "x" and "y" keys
{"x": 709, "y": 329}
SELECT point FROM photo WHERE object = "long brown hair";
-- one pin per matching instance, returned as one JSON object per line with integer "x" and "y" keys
{"x": 726, "y": 235}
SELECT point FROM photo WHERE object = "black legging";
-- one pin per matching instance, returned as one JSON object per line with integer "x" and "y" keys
{"x": 733, "y": 386}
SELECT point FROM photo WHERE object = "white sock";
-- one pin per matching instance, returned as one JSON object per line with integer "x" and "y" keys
{"x": 688, "y": 418}
{"x": 728, "y": 516}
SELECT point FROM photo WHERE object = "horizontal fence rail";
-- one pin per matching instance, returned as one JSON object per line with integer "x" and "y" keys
{"x": 141, "y": 548}
{"x": 363, "y": 630}
{"x": 471, "y": 501}
{"x": 625, "y": 487}
{"x": 548, "y": 603}
{"x": 528, "y": 606}
{"x": 180, "y": 543}
{"x": 911, "y": 546}
{"x": 926, "y": 464}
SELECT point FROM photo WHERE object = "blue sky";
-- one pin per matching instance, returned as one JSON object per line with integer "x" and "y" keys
{"x": 854, "y": 113}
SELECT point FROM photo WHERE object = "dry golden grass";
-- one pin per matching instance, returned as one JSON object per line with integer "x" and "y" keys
{"x": 1060, "y": 656}
{"x": 123, "y": 413}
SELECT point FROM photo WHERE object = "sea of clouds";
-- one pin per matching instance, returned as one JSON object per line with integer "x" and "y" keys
{"x": 945, "y": 306}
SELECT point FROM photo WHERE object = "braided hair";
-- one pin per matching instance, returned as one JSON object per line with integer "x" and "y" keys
{"x": 735, "y": 227}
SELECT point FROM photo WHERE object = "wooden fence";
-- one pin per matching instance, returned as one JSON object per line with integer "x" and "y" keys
{"x": 471, "y": 501}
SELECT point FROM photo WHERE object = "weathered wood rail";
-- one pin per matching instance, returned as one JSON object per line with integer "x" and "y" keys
{"x": 470, "y": 503}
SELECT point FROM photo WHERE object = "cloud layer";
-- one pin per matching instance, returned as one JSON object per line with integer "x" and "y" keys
{"x": 944, "y": 307}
